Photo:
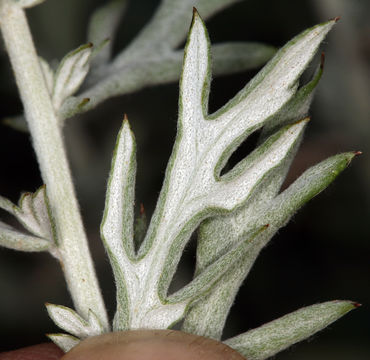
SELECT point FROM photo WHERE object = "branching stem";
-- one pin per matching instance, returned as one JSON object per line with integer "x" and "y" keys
{"x": 49, "y": 147}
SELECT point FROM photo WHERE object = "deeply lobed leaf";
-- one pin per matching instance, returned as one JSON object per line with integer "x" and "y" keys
{"x": 101, "y": 30}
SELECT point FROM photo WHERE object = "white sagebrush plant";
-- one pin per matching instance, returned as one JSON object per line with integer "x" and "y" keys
{"x": 237, "y": 212}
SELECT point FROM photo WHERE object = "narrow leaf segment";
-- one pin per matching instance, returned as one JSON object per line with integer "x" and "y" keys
{"x": 117, "y": 225}
{"x": 273, "y": 337}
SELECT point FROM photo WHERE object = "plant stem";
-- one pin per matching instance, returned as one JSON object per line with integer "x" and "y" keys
{"x": 47, "y": 139}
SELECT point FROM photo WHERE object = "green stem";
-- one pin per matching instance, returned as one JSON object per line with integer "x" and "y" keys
{"x": 49, "y": 147}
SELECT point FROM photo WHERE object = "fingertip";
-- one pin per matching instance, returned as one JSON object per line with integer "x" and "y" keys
{"x": 47, "y": 351}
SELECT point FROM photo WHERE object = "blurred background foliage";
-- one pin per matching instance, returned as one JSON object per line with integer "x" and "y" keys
{"x": 322, "y": 254}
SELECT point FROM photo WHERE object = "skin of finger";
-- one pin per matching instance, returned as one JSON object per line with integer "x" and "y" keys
{"x": 36, "y": 352}
{"x": 151, "y": 345}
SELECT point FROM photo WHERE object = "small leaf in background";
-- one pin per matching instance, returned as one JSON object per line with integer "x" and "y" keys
{"x": 271, "y": 338}
{"x": 70, "y": 74}
{"x": 16, "y": 122}
{"x": 101, "y": 29}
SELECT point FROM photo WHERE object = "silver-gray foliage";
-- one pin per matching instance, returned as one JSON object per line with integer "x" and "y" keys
{"x": 237, "y": 211}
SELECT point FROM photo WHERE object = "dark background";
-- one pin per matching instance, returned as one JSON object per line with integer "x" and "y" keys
{"x": 322, "y": 254}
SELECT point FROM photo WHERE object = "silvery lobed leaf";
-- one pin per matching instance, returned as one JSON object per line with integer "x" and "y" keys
{"x": 193, "y": 188}
{"x": 69, "y": 321}
{"x": 208, "y": 317}
{"x": 269, "y": 339}
{"x": 70, "y": 74}
{"x": 64, "y": 341}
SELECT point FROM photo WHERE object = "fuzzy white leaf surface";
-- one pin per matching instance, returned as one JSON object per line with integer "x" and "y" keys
{"x": 16, "y": 240}
{"x": 69, "y": 321}
{"x": 285, "y": 105}
{"x": 34, "y": 215}
{"x": 117, "y": 224}
{"x": 207, "y": 318}
{"x": 64, "y": 341}
{"x": 70, "y": 74}
{"x": 193, "y": 188}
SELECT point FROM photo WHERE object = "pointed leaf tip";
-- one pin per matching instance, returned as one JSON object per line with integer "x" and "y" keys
{"x": 303, "y": 121}
{"x": 83, "y": 102}
{"x": 196, "y": 16}
{"x": 351, "y": 155}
